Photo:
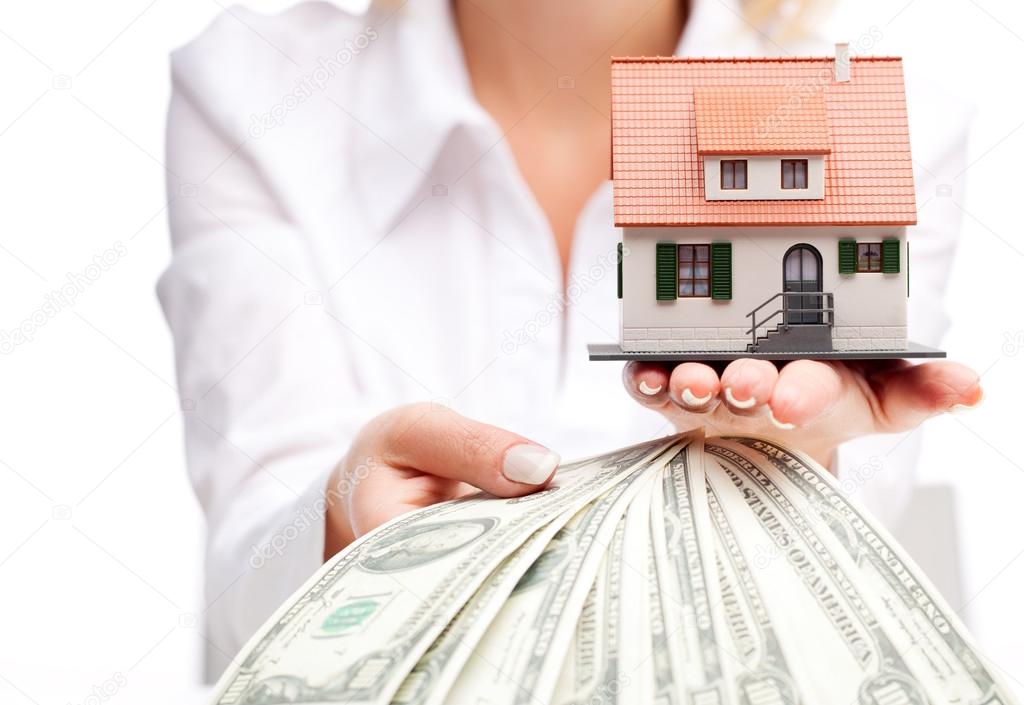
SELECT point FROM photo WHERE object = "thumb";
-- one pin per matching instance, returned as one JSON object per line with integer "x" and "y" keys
{"x": 436, "y": 440}
{"x": 914, "y": 393}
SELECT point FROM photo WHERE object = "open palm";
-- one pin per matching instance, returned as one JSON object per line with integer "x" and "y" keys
{"x": 813, "y": 405}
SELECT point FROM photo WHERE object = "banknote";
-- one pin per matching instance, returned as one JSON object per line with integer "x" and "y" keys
{"x": 684, "y": 571}
{"x": 665, "y": 691}
{"x": 924, "y": 629}
{"x": 585, "y": 654}
{"x": 590, "y": 673}
{"x": 358, "y": 627}
{"x": 518, "y": 659}
{"x": 432, "y": 678}
{"x": 684, "y": 557}
{"x": 837, "y": 649}
{"x": 636, "y": 645}
{"x": 750, "y": 648}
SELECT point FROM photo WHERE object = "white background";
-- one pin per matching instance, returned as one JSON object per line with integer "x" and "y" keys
{"x": 100, "y": 537}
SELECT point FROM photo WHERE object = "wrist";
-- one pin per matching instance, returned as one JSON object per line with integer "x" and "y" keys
{"x": 825, "y": 454}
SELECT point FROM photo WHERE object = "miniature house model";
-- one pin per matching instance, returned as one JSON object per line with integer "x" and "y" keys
{"x": 763, "y": 204}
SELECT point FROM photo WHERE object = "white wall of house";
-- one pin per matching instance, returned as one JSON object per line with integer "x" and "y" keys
{"x": 870, "y": 308}
{"x": 764, "y": 179}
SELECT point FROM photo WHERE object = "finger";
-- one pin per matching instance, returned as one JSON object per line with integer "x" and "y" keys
{"x": 646, "y": 382}
{"x": 436, "y": 440}
{"x": 747, "y": 384}
{"x": 805, "y": 390}
{"x": 911, "y": 395}
{"x": 694, "y": 387}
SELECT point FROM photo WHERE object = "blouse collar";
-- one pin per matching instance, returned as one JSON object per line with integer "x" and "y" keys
{"x": 417, "y": 76}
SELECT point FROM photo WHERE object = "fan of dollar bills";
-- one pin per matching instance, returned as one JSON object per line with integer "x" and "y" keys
{"x": 685, "y": 570}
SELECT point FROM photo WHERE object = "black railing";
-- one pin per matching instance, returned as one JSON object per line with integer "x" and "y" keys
{"x": 787, "y": 309}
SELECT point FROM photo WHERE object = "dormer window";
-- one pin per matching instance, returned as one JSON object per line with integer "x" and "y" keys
{"x": 734, "y": 174}
{"x": 758, "y": 144}
{"x": 794, "y": 173}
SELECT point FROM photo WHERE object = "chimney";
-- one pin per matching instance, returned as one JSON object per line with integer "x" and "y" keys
{"x": 842, "y": 62}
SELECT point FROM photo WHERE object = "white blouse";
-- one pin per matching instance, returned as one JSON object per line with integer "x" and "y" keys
{"x": 350, "y": 232}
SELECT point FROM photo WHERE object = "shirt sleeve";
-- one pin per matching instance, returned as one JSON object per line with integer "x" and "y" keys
{"x": 268, "y": 401}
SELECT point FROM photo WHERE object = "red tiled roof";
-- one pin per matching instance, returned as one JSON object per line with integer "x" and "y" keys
{"x": 739, "y": 120}
{"x": 659, "y": 176}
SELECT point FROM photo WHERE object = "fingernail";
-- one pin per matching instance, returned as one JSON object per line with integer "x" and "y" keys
{"x": 781, "y": 425}
{"x": 529, "y": 464}
{"x": 693, "y": 401}
{"x": 962, "y": 408}
{"x": 733, "y": 401}
{"x": 649, "y": 391}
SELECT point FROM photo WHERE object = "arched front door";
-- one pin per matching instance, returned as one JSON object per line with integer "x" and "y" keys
{"x": 801, "y": 272}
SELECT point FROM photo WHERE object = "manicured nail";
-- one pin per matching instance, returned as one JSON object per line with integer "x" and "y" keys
{"x": 649, "y": 391}
{"x": 529, "y": 464}
{"x": 733, "y": 401}
{"x": 779, "y": 424}
{"x": 693, "y": 401}
{"x": 963, "y": 408}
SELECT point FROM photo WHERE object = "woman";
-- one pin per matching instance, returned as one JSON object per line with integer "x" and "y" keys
{"x": 410, "y": 206}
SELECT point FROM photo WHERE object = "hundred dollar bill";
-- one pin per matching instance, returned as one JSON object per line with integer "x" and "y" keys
{"x": 925, "y": 630}
{"x": 356, "y": 629}
{"x": 519, "y": 657}
{"x": 748, "y": 642}
{"x": 819, "y": 610}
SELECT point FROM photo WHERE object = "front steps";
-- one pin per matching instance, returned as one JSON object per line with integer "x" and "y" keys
{"x": 794, "y": 338}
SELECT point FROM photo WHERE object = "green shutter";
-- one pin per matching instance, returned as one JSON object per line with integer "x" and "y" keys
{"x": 667, "y": 271}
{"x": 620, "y": 269}
{"x": 908, "y": 268}
{"x": 847, "y": 256}
{"x": 891, "y": 256}
{"x": 721, "y": 270}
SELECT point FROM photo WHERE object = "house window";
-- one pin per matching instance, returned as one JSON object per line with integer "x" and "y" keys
{"x": 869, "y": 257}
{"x": 794, "y": 173}
{"x": 734, "y": 174}
{"x": 694, "y": 271}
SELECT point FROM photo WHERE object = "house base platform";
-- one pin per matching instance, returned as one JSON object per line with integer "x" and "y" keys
{"x": 612, "y": 351}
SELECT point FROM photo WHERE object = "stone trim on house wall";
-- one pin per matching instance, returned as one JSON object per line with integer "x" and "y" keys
{"x": 869, "y": 338}
{"x": 736, "y": 339}
{"x": 684, "y": 339}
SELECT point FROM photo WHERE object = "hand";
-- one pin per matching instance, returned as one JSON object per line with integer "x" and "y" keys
{"x": 421, "y": 454}
{"x": 813, "y": 405}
